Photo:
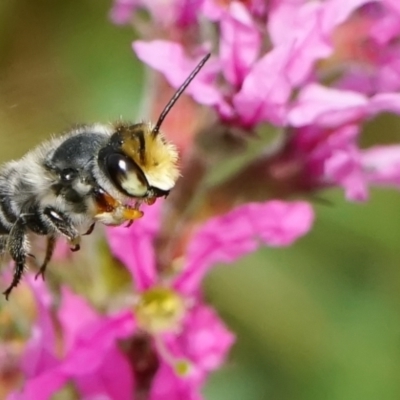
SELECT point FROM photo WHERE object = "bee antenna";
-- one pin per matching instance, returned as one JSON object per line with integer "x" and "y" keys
{"x": 177, "y": 94}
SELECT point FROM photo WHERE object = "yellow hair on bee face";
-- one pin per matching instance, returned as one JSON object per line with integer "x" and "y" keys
{"x": 156, "y": 157}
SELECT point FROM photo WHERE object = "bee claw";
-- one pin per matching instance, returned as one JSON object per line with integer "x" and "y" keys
{"x": 41, "y": 273}
{"x": 77, "y": 247}
{"x": 8, "y": 291}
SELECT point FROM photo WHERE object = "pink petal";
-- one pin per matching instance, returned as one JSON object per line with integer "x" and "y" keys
{"x": 385, "y": 102}
{"x": 205, "y": 342}
{"x": 265, "y": 90}
{"x": 41, "y": 387}
{"x": 166, "y": 385}
{"x": 240, "y": 43}
{"x": 96, "y": 340}
{"x": 122, "y": 11}
{"x": 393, "y": 4}
{"x": 213, "y": 10}
{"x": 279, "y": 223}
{"x": 187, "y": 12}
{"x": 169, "y": 59}
{"x": 39, "y": 354}
{"x": 227, "y": 238}
{"x": 344, "y": 169}
{"x": 327, "y": 107}
{"x": 335, "y": 12}
{"x": 113, "y": 380}
{"x": 386, "y": 28}
{"x": 208, "y": 340}
{"x": 134, "y": 246}
{"x": 382, "y": 165}
{"x": 74, "y": 315}
{"x": 305, "y": 37}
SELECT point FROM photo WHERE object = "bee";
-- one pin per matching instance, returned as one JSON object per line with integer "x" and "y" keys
{"x": 94, "y": 173}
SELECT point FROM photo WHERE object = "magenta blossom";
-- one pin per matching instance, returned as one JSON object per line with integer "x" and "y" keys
{"x": 180, "y": 13}
{"x": 356, "y": 169}
{"x": 327, "y": 107}
{"x": 190, "y": 338}
{"x": 284, "y": 86}
{"x": 90, "y": 358}
{"x": 258, "y": 86}
{"x": 220, "y": 240}
{"x": 371, "y": 63}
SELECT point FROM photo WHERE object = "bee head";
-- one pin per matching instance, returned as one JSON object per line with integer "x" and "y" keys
{"x": 138, "y": 163}
{"x": 138, "y": 160}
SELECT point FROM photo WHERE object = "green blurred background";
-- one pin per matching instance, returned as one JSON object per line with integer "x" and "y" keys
{"x": 318, "y": 320}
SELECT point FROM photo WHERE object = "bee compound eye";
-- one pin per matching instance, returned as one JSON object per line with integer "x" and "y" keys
{"x": 126, "y": 175}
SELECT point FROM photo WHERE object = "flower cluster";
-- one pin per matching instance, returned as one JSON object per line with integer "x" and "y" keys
{"x": 310, "y": 74}
{"x": 336, "y": 68}
{"x": 167, "y": 340}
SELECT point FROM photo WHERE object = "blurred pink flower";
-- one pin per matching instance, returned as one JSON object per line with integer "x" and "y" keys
{"x": 328, "y": 107}
{"x": 227, "y": 238}
{"x": 368, "y": 60}
{"x": 190, "y": 335}
{"x": 216, "y": 9}
{"x": 122, "y": 10}
{"x": 257, "y": 87}
{"x": 381, "y": 165}
{"x": 190, "y": 338}
{"x": 356, "y": 169}
{"x": 181, "y": 13}
{"x": 220, "y": 240}
{"x": 264, "y": 72}
{"x": 90, "y": 358}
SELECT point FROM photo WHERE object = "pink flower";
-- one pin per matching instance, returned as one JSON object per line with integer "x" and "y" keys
{"x": 240, "y": 44}
{"x": 181, "y": 13}
{"x": 122, "y": 11}
{"x": 215, "y": 10}
{"x": 284, "y": 86}
{"x": 355, "y": 170}
{"x": 327, "y": 107}
{"x": 227, "y": 238}
{"x": 190, "y": 338}
{"x": 381, "y": 165}
{"x": 172, "y": 54}
{"x": 369, "y": 59}
{"x": 90, "y": 349}
{"x": 321, "y": 106}
{"x": 221, "y": 239}
{"x": 258, "y": 87}
{"x": 343, "y": 168}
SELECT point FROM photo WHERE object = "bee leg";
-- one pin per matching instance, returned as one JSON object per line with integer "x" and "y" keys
{"x": 90, "y": 230}
{"x": 3, "y": 244}
{"x": 51, "y": 244}
{"x": 61, "y": 223}
{"x": 17, "y": 246}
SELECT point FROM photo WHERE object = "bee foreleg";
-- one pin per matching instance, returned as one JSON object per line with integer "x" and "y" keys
{"x": 3, "y": 244}
{"x": 62, "y": 224}
{"x": 51, "y": 243}
{"x": 17, "y": 246}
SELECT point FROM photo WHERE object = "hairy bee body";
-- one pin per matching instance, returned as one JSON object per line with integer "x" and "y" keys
{"x": 56, "y": 174}
{"x": 94, "y": 173}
